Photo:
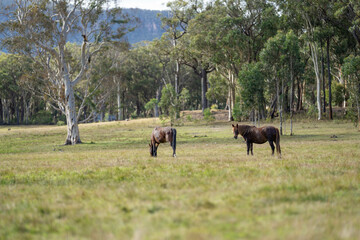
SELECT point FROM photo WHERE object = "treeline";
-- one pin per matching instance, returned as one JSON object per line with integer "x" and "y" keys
{"x": 257, "y": 59}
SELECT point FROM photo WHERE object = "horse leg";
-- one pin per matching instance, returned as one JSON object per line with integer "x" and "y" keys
{"x": 272, "y": 147}
{"x": 248, "y": 147}
{"x": 156, "y": 147}
{"x": 174, "y": 151}
{"x": 252, "y": 149}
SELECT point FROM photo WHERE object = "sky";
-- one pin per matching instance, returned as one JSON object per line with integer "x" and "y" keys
{"x": 144, "y": 4}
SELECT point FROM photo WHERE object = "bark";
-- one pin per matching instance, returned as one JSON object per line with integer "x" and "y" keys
{"x": 118, "y": 95}
{"x": 17, "y": 111}
{"x": 273, "y": 108}
{"x": 323, "y": 76}
{"x": 177, "y": 77}
{"x": 299, "y": 94}
{"x": 278, "y": 101}
{"x": 318, "y": 80}
{"x": 291, "y": 95}
{"x": 314, "y": 57}
{"x": 204, "y": 101}
{"x": 73, "y": 134}
{"x": 156, "y": 109}
{"x": 230, "y": 117}
{"x": 1, "y": 112}
{"x": 231, "y": 95}
{"x": 329, "y": 76}
{"x": 281, "y": 107}
{"x": 5, "y": 112}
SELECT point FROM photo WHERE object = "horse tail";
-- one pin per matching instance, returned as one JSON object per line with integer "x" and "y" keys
{"x": 173, "y": 142}
{"x": 278, "y": 149}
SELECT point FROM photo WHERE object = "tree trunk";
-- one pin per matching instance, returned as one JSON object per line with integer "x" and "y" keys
{"x": 231, "y": 95}
{"x": 318, "y": 80}
{"x": 281, "y": 106}
{"x": 204, "y": 102}
{"x": 1, "y": 112}
{"x": 118, "y": 95}
{"x": 291, "y": 95}
{"x": 230, "y": 117}
{"x": 73, "y": 134}
{"x": 156, "y": 108}
{"x": 5, "y": 112}
{"x": 323, "y": 76}
{"x": 329, "y": 76}
{"x": 273, "y": 108}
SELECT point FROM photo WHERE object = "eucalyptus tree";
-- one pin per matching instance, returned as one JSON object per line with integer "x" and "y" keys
{"x": 194, "y": 52}
{"x": 41, "y": 30}
{"x": 252, "y": 82}
{"x": 15, "y": 99}
{"x": 292, "y": 57}
{"x": 350, "y": 10}
{"x": 272, "y": 57}
{"x": 176, "y": 24}
{"x": 351, "y": 70}
{"x": 233, "y": 33}
{"x": 307, "y": 12}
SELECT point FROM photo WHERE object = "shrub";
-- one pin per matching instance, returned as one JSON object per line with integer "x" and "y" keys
{"x": 207, "y": 115}
{"x": 42, "y": 117}
{"x": 60, "y": 123}
{"x": 214, "y": 107}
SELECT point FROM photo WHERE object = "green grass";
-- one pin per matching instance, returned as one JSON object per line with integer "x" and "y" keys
{"x": 110, "y": 188}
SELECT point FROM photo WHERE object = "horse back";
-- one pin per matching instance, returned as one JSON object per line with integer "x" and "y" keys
{"x": 269, "y": 132}
{"x": 161, "y": 134}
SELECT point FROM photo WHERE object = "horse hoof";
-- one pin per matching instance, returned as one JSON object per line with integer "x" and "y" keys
{"x": 174, "y": 155}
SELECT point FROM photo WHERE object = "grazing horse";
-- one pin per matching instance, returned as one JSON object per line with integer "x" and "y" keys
{"x": 161, "y": 135}
{"x": 252, "y": 134}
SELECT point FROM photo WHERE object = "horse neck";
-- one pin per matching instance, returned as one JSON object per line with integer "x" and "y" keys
{"x": 243, "y": 129}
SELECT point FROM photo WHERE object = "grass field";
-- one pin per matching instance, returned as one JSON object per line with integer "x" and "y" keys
{"x": 110, "y": 188}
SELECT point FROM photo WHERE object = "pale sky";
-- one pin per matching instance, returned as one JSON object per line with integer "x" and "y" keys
{"x": 144, "y": 4}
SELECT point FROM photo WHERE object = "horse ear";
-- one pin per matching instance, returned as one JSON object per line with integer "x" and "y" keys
{"x": 232, "y": 125}
{"x": 237, "y": 125}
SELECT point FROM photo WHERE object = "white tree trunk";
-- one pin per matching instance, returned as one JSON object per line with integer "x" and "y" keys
{"x": 314, "y": 57}
{"x": 118, "y": 93}
{"x": 229, "y": 105}
{"x": 73, "y": 134}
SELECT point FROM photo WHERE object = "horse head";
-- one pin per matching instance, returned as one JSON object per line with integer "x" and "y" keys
{"x": 235, "y": 130}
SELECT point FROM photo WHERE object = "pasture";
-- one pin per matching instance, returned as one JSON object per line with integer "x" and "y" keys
{"x": 110, "y": 188}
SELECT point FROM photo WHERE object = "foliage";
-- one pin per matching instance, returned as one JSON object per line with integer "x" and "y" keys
{"x": 169, "y": 103}
{"x": 214, "y": 107}
{"x": 237, "y": 113}
{"x": 151, "y": 104}
{"x": 208, "y": 117}
{"x": 339, "y": 94}
{"x": 251, "y": 80}
{"x": 42, "y": 117}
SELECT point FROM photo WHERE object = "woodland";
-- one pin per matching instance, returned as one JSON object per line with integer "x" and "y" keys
{"x": 258, "y": 60}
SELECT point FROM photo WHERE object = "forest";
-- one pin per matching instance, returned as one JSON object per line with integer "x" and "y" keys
{"x": 256, "y": 59}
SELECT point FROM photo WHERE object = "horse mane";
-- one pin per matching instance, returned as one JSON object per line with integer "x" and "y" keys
{"x": 245, "y": 129}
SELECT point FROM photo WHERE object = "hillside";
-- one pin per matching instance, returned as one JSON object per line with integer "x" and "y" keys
{"x": 148, "y": 24}
{"x": 148, "y": 27}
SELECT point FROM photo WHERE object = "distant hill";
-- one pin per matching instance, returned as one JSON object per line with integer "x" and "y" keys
{"x": 147, "y": 28}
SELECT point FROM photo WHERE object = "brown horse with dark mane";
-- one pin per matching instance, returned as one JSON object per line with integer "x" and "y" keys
{"x": 161, "y": 135}
{"x": 252, "y": 134}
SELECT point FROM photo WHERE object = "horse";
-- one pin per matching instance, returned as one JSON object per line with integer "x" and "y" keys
{"x": 252, "y": 134}
{"x": 161, "y": 135}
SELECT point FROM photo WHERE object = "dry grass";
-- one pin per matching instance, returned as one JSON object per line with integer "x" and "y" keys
{"x": 109, "y": 187}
